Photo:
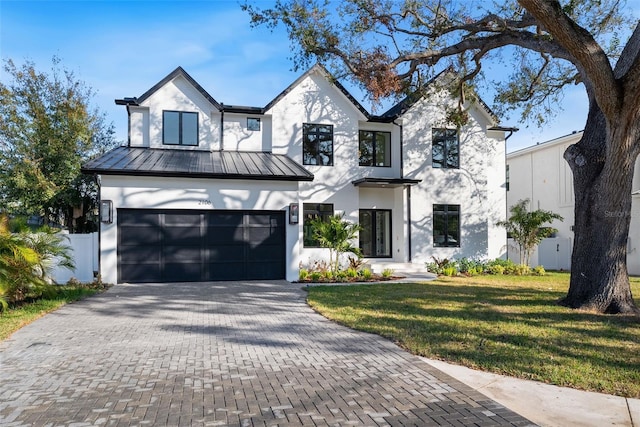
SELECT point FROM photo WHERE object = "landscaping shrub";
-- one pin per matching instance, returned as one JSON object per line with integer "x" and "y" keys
{"x": 303, "y": 274}
{"x": 366, "y": 274}
{"x": 387, "y": 273}
{"x": 538, "y": 271}
{"x": 495, "y": 269}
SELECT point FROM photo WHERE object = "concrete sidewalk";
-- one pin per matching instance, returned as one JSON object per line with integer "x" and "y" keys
{"x": 548, "y": 405}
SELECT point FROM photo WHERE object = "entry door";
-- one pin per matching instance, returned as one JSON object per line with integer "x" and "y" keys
{"x": 375, "y": 235}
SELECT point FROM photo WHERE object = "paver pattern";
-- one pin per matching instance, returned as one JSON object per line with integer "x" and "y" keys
{"x": 223, "y": 353}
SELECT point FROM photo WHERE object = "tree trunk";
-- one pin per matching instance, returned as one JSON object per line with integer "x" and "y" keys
{"x": 602, "y": 187}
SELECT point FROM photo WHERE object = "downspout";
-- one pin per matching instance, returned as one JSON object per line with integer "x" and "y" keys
{"x": 408, "y": 190}
{"x": 128, "y": 132}
{"x": 511, "y": 130}
{"x": 221, "y": 127}
{"x": 98, "y": 183}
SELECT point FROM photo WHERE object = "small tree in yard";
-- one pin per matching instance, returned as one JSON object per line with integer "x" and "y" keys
{"x": 336, "y": 234}
{"x": 527, "y": 227}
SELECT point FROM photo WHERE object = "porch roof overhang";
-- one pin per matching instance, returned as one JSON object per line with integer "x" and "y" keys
{"x": 384, "y": 182}
{"x": 138, "y": 161}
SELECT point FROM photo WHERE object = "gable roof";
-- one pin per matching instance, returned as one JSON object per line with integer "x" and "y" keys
{"x": 410, "y": 100}
{"x": 319, "y": 68}
{"x": 178, "y": 72}
{"x": 143, "y": 161}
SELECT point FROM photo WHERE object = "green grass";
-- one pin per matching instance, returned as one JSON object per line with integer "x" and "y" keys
{"x": 23, "y": 314}
{"x": 503, "y": 324}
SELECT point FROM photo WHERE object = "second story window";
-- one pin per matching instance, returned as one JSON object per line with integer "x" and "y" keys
{"x": 445, "y": 148}
{"x": 375, "y": 148}
{"x": 317, "y": 144}
{"x": 179, "y": 128}
{"x": 253, "y": 123}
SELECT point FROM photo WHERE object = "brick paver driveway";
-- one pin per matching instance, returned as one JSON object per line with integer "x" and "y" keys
{"x": 225, "y": 353}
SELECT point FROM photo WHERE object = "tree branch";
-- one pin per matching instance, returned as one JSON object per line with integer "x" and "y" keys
{"x": 587, "y": 54}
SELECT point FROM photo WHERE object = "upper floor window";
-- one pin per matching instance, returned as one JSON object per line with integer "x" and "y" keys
{"x": 446, "y": 225}
{"x": 317, "y": 144}
{"x": 253, "y": 123}
{"x": 445, "y": 148}
{"x": 375, "y": 148}
{"x": 179, "y": 128}
{"x": 311, "y": 211}
{"x": 507, "y": 178}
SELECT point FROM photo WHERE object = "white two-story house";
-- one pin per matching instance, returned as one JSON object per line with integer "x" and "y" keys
{"x": 209, "y": 191}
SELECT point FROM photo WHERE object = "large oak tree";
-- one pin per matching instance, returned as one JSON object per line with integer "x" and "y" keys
{"x": 392, "y": 47}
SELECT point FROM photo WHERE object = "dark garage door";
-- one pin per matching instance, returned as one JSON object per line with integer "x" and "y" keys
{"x": 193, "y": 246}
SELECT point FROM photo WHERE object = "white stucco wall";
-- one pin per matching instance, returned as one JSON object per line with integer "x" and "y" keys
{"x": 477, "y": 186}
{"x": 238, "y": 138}
{"x": 196, "y": 194}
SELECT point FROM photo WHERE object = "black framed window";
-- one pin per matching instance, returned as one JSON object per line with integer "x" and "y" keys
{"x": 317, "y": 144}
{"x": 375, "y": 148}
{"x": 375, "y": 233}
{"x": 507, "y": 178}
{"x": 311, "y": 211}
{"x": 445, "y": 152}
{"x": 253, "y": 123}
{"x": 179, "y": 128}
{"x": 446, "y": 225}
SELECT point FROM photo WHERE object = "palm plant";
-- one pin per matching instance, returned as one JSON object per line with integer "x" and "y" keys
{"x": 337, "y": 235}
{"x": 527, "y": 227}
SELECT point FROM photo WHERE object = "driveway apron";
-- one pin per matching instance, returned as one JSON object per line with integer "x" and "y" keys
{"x": 221, "y": 353}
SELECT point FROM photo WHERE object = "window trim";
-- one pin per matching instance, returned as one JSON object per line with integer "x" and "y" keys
{"x": 445, "y": 149}
{"x": 445, "y": 214}
{"x": 180, "y": 128}
{"x": 254, "y": 120}
{"x": 373, "y": 231}
{"x": 305, "y": 142}
{"x": 306, "y": 208}
{"x": 374, "y": 146}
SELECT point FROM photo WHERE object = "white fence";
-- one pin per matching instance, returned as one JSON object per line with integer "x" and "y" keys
{"x": 84, "y": 251}
{"x": 553, "y": 253}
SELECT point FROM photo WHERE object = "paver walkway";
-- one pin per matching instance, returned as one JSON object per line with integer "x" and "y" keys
{"x": 225, "y": 353}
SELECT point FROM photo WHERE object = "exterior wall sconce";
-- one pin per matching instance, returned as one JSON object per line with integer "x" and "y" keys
{"x": 294, "y": 213}
{"x": 106, "y": 211}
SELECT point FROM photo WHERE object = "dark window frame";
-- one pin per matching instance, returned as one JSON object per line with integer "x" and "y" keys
{"x": 447, "y": 213}
{"x": 374, "y": 213}
{"x": 374, "y": 147}
{"x": 310, "y": 211}
{"x": 181, "y": 114}
{"x": 253, "y": 123}
{"x": 446, "y": 139}
{"x": 307, "y": 155}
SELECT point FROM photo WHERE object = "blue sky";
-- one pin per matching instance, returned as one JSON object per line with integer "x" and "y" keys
{"x": 122, "y": 48}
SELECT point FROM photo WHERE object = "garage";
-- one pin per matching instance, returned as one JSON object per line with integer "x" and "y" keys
{"x": 195, "y": 246}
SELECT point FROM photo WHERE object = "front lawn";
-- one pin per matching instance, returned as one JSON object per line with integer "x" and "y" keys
{"x": 503, "y": 324}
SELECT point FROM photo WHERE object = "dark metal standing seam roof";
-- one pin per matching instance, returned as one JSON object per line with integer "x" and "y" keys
{"x": 137, "y": 161}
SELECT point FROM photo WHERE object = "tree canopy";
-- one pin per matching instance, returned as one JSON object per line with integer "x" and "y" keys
{"x": 393, "y": 47}
{"x": 48, "y": 127}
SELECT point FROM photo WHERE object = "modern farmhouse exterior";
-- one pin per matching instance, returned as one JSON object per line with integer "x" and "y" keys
{"x": 209, "y": 191}
{"x": 540, "y": 173}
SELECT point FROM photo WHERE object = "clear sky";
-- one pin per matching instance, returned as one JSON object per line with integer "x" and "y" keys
{"x": 122, "y": 48}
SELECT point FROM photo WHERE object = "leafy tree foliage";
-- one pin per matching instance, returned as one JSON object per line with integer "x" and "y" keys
{"x": 48, "y": 128}
{"x": 392, "y": 47}
{"x": 528, "y": 228}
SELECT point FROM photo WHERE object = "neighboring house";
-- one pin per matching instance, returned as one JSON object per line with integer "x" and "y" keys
{"x": 540, "y": 173}
{"x": 209, "y": 191}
